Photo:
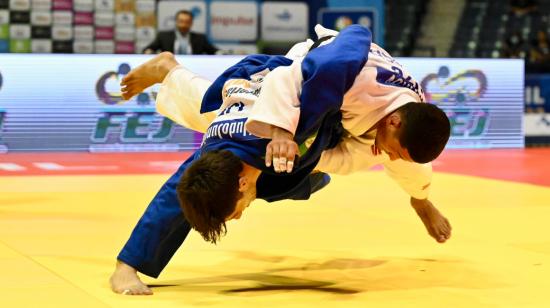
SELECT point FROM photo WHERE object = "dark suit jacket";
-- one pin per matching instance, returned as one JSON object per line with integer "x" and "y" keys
{"x": 199, "y": 43}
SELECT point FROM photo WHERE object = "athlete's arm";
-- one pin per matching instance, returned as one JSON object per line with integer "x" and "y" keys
{"x": 436, "y": 224}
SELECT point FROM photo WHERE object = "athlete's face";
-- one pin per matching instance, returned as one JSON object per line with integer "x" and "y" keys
{"x": 387, "y": 138}
{"x": 249, "y": 194}
{"x": 184, "y": 22}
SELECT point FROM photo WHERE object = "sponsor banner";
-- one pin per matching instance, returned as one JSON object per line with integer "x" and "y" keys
{"x": 19, "y": 32}
{"x": 41, "y": 46}
{"x": 83, "y": 46}
{"x": 125, "y": 47}
{"x": 537, "y": 124}
{"x": 20, "y": 46}
{"x": 83, "y": 18}
{"x": 167, "y": 13}
{"x": 41, "y": 32}
{"x": 537, "y": 93}
{"x": 4, "y": 32}
{"x": 125, "y": 34}
{"x": 284, "y": 21}
{"x": 145, "y": 33}
{"x": 104, "y": 5}
{"x": 483, "y": 101}
{"x": 104, "y": 19}
{"x": 104, "y": 46}
{"x": 84, "y": 33}
{"x": 20, "y": 5}
{"x": 145, "y": 6}
{"x": 4, "y": 46}
{"x": 104, "y": 33}
{"x": 62, "y": 33}
{"x": 234, "y": 20}
{"x": 20, "y": 17}
{"x": 125, "y": 19}
{"x": 62, "y": 18}
{"x": 84, "y": 5}
{"x": 44, "y": 5}
{"x": 62, "y": 46}
{"x": 41, "y": 18}
{"x": 125, "y": 5}
{"x": 4, "y": 17}
{"x": 146, "y": 20}
{"x": 62, "y": 5}
{"x": 81, "y": 108}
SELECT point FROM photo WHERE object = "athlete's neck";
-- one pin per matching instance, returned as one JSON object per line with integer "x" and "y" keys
{"x": 251, "y": 172}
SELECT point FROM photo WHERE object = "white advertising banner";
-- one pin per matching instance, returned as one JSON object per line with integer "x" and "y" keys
{"x": 284, "y": 21}
{"x": 234, "y": 21}
{"x": 537, "y": 124}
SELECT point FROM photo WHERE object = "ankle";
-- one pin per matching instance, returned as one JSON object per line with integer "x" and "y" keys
{"x": 121, "y": 266}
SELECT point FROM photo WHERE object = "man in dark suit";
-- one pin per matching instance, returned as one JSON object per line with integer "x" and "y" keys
{"x": 181, "y": 41}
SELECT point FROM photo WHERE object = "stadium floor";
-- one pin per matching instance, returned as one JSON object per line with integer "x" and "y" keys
{"x": 63, "y": 218}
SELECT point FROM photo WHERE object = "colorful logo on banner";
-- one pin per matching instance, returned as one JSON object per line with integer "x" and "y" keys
{"x": 131, "y": 125}
{"x": 453, "y": 94}
{"x": 115, "y": 98}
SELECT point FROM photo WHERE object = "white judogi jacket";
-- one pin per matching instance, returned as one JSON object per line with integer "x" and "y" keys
{"x": 381, "y": 87}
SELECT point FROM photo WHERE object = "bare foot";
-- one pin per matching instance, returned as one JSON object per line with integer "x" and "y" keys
{"x": 126, "y": 281}
{"x": 147, "y": 74}
{"x": 437, "y": 225}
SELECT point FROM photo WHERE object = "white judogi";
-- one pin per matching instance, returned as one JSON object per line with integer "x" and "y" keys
{"x": 367, "y": 102}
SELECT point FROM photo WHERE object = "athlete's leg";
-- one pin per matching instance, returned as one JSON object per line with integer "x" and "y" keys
{"x": 156, "y": 237}
{"x": 180, "y": 94}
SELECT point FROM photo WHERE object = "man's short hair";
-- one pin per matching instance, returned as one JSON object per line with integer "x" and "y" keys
{"x": 425, "y": 130}
{"x": 186, "y": 12}
{"x": 208, "y": 192}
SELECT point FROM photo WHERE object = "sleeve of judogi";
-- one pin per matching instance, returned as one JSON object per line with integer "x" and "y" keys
{"x": 180, "y": 98}
{"x": 160, "y": 231}
{"x": 414, "y": 178}
{"x": 299, "y": 95}
{"x": 351, "y": 154}
{"x": 279, "y": 101}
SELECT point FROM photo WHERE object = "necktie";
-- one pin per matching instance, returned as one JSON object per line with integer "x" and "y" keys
{"x": 182, "y": 50}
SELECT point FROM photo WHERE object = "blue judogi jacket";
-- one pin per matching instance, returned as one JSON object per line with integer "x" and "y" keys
{"x": 163, "y": 228}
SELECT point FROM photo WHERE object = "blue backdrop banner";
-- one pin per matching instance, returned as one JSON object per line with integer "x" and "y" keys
{"x": 72, "y": 102}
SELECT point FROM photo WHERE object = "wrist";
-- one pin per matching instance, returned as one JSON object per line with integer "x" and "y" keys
{"x": 279, "y": 133}
{"x": 419, "y": 204}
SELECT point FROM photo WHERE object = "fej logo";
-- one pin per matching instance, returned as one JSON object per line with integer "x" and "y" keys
{"x": 114, "y": 97}
{"x": 129, "y": 124}
{"x": 456, "y": 95}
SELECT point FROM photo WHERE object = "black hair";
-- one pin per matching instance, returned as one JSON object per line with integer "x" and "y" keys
{"x": 186, "y": 12}
{"x": 425, "y": 130}
{"x": 208, "y": 192}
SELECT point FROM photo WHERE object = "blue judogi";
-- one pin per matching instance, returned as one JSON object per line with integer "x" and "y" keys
{"x": 163, "y": 228}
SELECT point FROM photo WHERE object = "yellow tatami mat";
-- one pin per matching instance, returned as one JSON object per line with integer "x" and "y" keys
{"x": 357, "y": 243}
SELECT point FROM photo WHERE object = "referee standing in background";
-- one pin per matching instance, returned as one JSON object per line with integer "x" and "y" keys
{"x": 181, "y": 41}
